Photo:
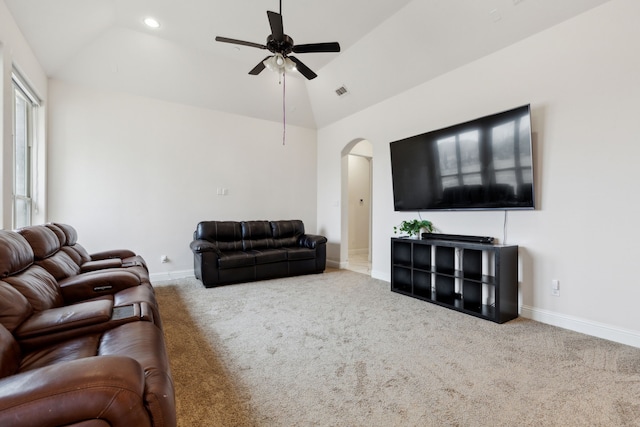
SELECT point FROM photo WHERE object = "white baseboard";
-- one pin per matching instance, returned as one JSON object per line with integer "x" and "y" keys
{"x": 589, "y": 327}
{"x": 375, "y": 274}
{"x": 337, "y": 264}
{"x": 170, "y": 275}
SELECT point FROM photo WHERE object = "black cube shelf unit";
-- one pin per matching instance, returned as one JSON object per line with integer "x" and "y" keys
{"x": 473, "y": 278}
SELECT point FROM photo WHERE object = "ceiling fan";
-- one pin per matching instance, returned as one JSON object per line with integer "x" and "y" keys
{"x": 281, "y": 45}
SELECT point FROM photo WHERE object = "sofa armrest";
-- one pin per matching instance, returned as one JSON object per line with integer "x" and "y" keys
{"x": 114, "y": 253}
{"x": 96, "y": 283}
{"x": 200, "y": 246}
{"x": 60, "y": 319}
{"x": 101, "y": 264}
{"x": 110, "y": 388}
{"x": 311, "y": 240}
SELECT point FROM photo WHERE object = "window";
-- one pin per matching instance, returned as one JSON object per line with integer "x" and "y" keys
{"x": 25, "y": 108}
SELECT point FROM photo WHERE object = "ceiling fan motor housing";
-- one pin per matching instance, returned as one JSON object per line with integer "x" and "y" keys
{"x": 284, "y": 46}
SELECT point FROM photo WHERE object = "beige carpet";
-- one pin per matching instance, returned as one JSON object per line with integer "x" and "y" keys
{"x": 340, "y": 349}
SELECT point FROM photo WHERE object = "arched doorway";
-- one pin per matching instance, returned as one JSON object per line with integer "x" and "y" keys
{"x": 356, "y": 205}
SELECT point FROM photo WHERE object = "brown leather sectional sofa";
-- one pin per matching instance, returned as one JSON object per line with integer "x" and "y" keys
{"x": 228, "y": 252}
{"x": 81, "y": 341}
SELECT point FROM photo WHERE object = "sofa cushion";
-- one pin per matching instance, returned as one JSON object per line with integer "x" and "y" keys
{"x": 60, "y": 265}
{"x": 76, "y": 255}
{"x": 46, "y": 242}
{"x": 81, "y": 251}
{"x": 14, "y": 307}
{"x": 62, "y": 237}
{"x": 73, "y": 349}
{"x": 15, "y": 253}
{"x": 236, "y": 259}
{"x": 68, "y": 242}
{"x": 42, "y": 240}
{"x": 267, "y": 256}
{"x": 38, "y": 286}
{"x": 286, "y": 233}
{"x": 70, "y": 233}
{"x": 226, "y": 234}
{"x": 256, "y": 235}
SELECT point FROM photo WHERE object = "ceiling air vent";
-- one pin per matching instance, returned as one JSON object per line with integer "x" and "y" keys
{"x": 342, "y": 90}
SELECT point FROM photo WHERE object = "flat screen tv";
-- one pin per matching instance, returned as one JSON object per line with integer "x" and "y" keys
{"x": 481, "y": 164}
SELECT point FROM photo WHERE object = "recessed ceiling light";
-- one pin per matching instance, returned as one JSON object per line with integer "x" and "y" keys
{"x": 151, "y": 22}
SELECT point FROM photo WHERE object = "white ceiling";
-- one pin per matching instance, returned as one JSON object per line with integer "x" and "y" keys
{"x": 387, "y": 47}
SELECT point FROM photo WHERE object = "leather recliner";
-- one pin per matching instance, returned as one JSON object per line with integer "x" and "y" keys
{"x": 52, "y": 251}
{"x": 91, "y": 360}
{"x": 115, "y": 258}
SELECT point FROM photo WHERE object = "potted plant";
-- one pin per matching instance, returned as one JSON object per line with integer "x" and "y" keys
{"x": 414, "y": 227}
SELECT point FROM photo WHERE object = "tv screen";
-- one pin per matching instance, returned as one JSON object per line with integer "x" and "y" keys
{"x": 480, "y": 164}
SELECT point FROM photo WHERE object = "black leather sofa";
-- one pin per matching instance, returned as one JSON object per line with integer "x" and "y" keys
{"x": 228, "y": 252}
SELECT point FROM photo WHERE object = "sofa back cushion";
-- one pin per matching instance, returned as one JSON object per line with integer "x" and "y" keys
{"x": 257, "y": 235}
{"x": 75, "y": 254}
{"x": 42, "y": 240}
{"x": 70, "y": 233}
{"x": 61, "y": 265}
{"x": 227, "y": 235}
{"x": 38, "y": 287}
{"x": 59, "y": 233}
{"x": 15, "y": 253}
{"x": 78, "y": 252}
{"x": 46, "y": 243}
{"x": 14, "y": 307}
{"x": 69, "y": 242}
{"x": 287, "y": 233}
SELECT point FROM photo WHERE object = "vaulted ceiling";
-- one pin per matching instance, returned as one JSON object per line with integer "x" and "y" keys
{"x": 387, "y": 47}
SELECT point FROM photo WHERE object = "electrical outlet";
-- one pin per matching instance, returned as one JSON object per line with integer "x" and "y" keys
{"x": 555, "y": 287}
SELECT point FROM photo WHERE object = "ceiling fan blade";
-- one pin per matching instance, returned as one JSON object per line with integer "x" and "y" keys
{"x": 258, "y": 68}
{"x": 304, "y": 70}
{"x": 240, "y": 42}
{"x": 277, "y": 29}
{"x": 317, "y": 47}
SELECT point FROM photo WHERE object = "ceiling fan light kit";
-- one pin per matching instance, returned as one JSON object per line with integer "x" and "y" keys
{"x": 279, "y": 63}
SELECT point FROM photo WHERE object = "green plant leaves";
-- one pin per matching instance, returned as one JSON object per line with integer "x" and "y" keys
{"x": 413, "y": 227}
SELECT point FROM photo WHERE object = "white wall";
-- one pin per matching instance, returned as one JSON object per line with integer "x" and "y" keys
{"x": 139, "y": 173}
{"x": 15, "y": 52}
{"x": 582, "y": 79}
